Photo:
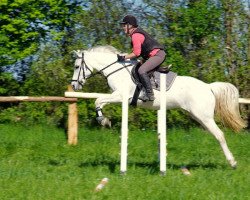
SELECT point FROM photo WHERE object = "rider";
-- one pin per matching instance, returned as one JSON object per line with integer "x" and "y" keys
{"x": 145, "y": 46}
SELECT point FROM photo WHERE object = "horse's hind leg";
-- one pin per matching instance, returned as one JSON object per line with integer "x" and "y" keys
{"x": 212, "y": 127}
{"x": 219, "y": 135}
{"x": 203, "y": 112}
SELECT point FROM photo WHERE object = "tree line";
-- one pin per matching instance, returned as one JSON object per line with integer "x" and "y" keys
{"x": 206, "y": 39}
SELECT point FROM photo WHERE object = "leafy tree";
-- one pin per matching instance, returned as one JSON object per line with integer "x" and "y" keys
{"x": 24, "y": 25}
{"x": 21, "y": 29}
{"x": 8, "y": 85}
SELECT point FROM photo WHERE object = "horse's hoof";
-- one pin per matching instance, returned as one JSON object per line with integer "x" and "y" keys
{"x": 99, "y": 119}
{"x": 233, "y": 164}
{"x": 106, "y": 122}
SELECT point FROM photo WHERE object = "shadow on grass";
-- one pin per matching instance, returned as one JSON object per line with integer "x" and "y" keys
{"x": 151, "y": 167}
{"x": 110, "y": 164}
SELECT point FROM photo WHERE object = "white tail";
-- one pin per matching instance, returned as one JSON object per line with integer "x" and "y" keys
{"x": 227, "y": 105}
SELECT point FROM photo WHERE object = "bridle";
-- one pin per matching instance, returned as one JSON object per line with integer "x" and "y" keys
{"x": 83, "y": 63}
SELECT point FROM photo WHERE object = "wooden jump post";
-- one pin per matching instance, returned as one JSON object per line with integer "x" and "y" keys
{"x": 72, "y": 121}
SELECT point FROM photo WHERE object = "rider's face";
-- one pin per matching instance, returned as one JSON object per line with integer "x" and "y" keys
{"x": 126, "y": 28}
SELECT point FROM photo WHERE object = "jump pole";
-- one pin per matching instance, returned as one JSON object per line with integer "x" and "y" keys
{"x": 162, "y": 125}
{"x": 86, "y": 95}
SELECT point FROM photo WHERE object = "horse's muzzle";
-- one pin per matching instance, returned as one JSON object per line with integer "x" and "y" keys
{"x": 76, "y": 86}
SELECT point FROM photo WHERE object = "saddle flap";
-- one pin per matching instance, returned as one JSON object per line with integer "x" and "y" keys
{"x": 155, "y": 80}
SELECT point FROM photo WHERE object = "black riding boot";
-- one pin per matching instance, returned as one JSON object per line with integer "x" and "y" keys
{"x": 145, "y": 80}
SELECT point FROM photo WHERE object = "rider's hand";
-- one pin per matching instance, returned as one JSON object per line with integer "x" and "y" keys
{"x": 120, "y": 58}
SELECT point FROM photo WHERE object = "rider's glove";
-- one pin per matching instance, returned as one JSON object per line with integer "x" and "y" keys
{"x": 120, "y": 58}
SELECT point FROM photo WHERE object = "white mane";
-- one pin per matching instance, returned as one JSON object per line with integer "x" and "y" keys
{"x": 106, "y": 48}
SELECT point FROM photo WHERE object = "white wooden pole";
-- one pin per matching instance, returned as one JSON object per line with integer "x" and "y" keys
{"x": 124, "y": 133}
{"x": 86, "y": 95}
{"x": 162, "y": 124}
{"x": 244, "y": 100}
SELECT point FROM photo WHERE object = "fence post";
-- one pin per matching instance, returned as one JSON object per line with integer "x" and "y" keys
{"x": 72, "y": 121}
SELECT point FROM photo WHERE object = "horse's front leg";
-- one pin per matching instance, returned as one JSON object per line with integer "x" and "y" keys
{"x": 101, "y": 119}
{"x": 101, "y": 102}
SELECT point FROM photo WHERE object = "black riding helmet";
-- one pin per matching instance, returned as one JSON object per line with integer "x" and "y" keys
{"x": 129, "y": 19}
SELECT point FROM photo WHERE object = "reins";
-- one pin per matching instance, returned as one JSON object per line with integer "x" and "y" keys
{"x": 124, "y": 66}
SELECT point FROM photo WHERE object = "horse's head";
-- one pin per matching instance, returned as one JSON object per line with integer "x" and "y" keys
{"x": 81, "y": 71}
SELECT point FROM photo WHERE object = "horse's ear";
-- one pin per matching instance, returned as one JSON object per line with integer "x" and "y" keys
{"x": 75, "y": 53}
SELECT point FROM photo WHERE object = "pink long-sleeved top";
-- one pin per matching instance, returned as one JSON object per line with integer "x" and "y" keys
{"x": 137, "y": 41}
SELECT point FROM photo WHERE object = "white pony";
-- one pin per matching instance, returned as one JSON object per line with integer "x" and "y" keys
{"x": 200, "y": 99}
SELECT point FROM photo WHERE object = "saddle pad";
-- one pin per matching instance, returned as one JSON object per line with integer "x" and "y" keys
{"x": 155, "y": 80}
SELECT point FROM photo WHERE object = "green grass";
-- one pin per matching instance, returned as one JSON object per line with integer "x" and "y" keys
{"x": 36, "y": 163}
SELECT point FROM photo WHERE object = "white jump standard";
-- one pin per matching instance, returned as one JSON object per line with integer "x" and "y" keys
{"x": 162, "y": 124}
{"x": 124, "y": 134}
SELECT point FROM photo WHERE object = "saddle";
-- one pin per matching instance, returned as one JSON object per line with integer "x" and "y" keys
{"x": 154, "y": 78}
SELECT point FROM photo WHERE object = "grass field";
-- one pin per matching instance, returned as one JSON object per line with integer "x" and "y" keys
{"x": 36, "y": 163}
